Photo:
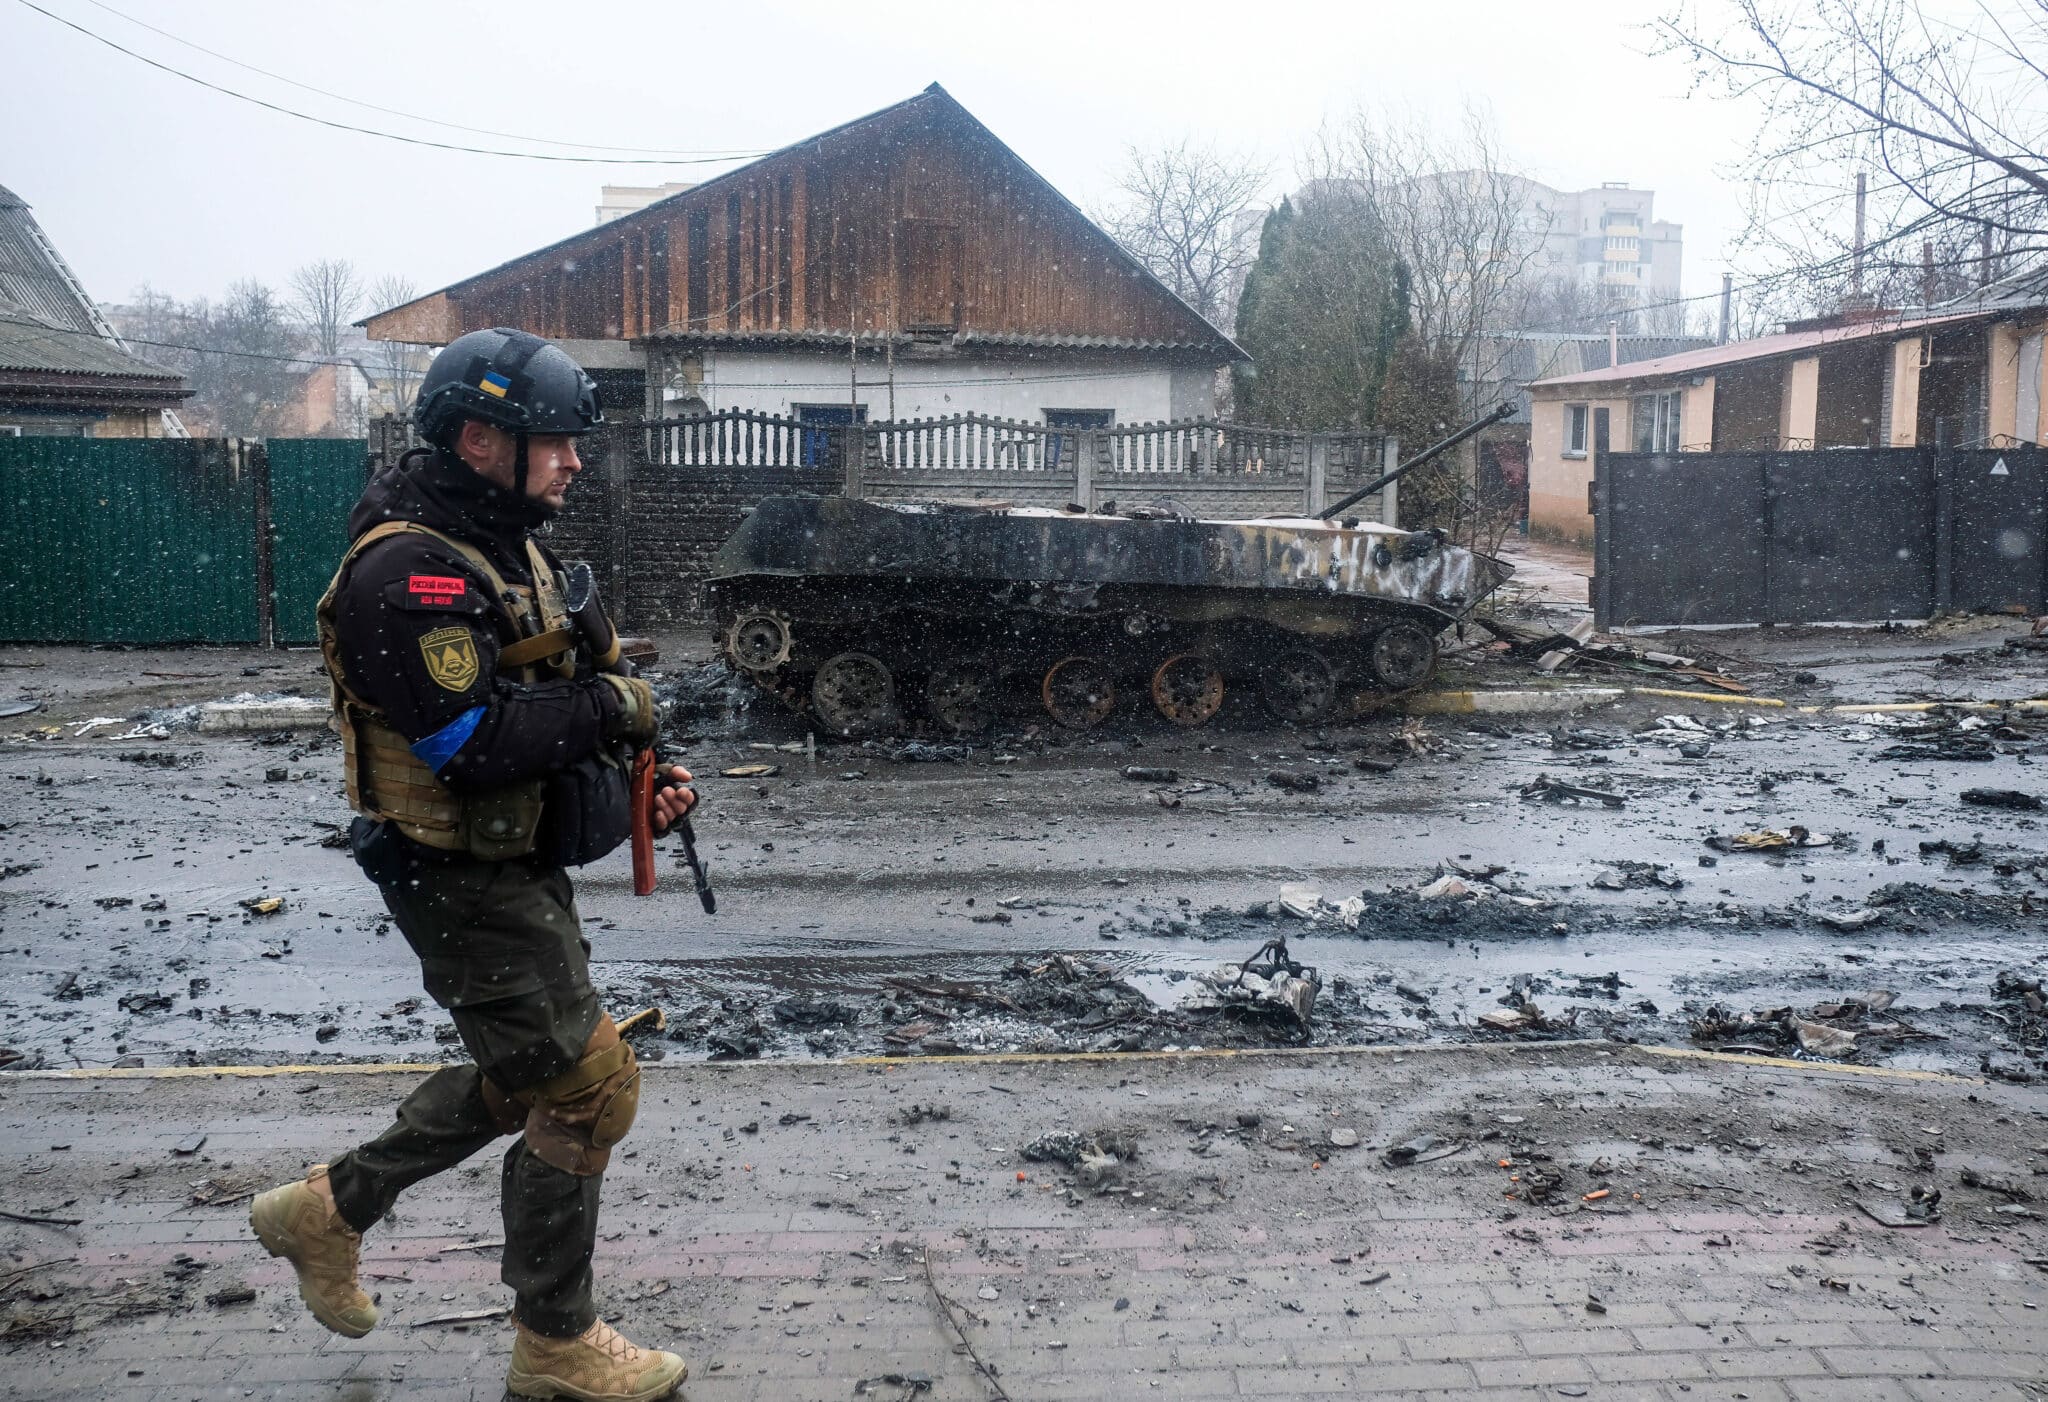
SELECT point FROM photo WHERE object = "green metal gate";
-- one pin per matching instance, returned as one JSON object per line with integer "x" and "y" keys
{"x": 110, "y": 540}
{"x": 127, "y": 541}
{"x": 313, "y": 483}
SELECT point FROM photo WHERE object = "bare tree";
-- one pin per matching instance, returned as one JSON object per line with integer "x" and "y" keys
{"x": 1468, "y": 232}
{"x": 398, "y": 365}
{"x": 1947, "y": 119}
{"x": 1189, "y": 213}
{"x": 325, "y": 295}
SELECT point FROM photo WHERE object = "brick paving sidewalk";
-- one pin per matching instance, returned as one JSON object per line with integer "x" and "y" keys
{"x": 788, "y": 1260}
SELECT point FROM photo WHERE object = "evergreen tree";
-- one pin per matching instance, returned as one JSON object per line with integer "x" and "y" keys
{"x": 1322, "y": 310}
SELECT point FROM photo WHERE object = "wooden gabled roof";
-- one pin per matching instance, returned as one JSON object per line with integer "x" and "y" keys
{"x": 911, "y": 217}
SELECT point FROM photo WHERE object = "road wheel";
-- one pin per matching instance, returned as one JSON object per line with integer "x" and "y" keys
{"x": 853, "y": 694}
{"x": 1078, "y": 692}
{"x": 1188, "y": 689}
{"x": 1403, "y": 656}
{"x": 1299, "y": 685}
{"x": 961, "y": 697}
{"x": 758, "y": 641}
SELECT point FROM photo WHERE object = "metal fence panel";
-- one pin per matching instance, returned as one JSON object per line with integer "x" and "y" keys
{"x": 1686, "y": 537}
{"x": 313, "y": 484}
{"x": 1851, "y": 535}
{"x": 2001, "y": 519}
{"x": 126, "y": 541}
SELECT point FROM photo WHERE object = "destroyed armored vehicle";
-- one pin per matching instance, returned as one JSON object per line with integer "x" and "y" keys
{"x": 868, "y": 615}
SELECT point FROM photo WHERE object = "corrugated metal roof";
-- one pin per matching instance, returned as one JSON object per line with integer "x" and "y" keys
{"x": 963, "y": 340}
{"x": 47, "y": 322}
{"x": 2028, "y": 287}
{"x": 1762, "y": 348}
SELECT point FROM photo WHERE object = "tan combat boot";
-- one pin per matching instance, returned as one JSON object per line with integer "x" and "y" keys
{"x": 296, "y": 1222}
{"x": 598, "y": 1365}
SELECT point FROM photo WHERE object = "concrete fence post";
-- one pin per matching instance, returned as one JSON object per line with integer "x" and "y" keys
{"x": 1084, "y": 468}
{"x": 1390, "y": 495}
{"x": 1316, "y": 482}
{"x": 853, "y": 452}
{"x": 624, "y": 446}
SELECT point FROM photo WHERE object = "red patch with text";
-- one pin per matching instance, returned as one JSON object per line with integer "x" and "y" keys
{"x": 444, "y": 591}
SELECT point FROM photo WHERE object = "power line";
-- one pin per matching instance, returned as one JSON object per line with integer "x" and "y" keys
{"x": 397, "y": 112}
{"x": 371, "y": 131}
{"x": 49, "y": 330}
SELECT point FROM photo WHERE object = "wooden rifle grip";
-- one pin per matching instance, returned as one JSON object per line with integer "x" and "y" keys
{"x": 643, "y": 823}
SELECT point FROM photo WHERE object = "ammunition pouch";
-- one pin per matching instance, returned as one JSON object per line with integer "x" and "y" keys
{"x": 586, "y": 811}
{"x": 574, "y": 1119}
{"x": 388, "y": 782}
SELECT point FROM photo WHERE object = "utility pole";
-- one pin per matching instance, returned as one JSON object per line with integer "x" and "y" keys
{"x": 1927, "y": 272}
{"x": 1727, "y": 303}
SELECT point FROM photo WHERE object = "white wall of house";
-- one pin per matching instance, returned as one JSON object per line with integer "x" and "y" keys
{"x": 781, "y": 383}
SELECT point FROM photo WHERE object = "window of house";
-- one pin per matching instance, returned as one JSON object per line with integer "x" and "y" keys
{"x": 1071, "y": 420}
{"x": 1654, "y": 418}
{"x": 821, "y": 444}
{"x": 1578, "y": 420}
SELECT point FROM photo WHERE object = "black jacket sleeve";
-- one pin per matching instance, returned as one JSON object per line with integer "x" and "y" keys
{"x": 419, "y": 641}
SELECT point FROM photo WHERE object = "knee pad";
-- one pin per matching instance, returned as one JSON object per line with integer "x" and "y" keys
{"x": 575, "y": 1118}
{"x": 508, "y": 1111}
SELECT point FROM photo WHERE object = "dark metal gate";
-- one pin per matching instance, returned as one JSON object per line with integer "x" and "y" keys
{"x": 1849, "y": 535}
{"x": 170, "y": 540}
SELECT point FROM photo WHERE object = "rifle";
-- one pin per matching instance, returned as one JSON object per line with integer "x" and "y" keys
{"x": 579, "y": 595}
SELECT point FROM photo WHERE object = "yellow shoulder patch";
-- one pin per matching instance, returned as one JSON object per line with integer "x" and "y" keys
{"x": 451, "y": 658}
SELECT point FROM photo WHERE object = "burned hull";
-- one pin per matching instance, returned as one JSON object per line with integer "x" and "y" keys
{"x": 864, "y": 614}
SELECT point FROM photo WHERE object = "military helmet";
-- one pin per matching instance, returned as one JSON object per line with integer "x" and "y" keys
{"x": 512, "y": 379}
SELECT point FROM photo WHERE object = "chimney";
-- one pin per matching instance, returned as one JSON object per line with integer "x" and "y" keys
{"x": 1856, "y": 267}
{"x": 1613, "y": 344}
{"x": 1727, "y": 303}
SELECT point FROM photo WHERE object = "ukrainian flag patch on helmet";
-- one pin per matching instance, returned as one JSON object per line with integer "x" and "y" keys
{"x": 494, "y": 384}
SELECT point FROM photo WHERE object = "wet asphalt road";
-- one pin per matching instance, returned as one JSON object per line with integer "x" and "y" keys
{"x": 839, "y": 872}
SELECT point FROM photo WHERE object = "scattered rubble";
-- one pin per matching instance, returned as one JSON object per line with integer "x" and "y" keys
{"x": 2003, "y": 798}
{"x": 1787, "y": 839}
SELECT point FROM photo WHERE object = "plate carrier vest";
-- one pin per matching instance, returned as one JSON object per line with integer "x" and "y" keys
{"x": 386, "y": 780}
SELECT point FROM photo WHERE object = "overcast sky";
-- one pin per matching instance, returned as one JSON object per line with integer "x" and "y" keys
{"x": 142, "y": 177}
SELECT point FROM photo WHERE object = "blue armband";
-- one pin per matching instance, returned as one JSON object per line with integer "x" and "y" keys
{"x": 437, "y": 749}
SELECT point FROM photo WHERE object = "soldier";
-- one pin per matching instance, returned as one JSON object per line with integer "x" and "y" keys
{"x": 486, "y": 749}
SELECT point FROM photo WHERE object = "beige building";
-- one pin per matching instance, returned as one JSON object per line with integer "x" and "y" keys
{"x": 1878, "y": 381}
{"x": 617, "y": 201}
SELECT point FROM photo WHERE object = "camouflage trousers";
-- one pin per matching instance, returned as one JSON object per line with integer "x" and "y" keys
{"x": 500, "y": 947}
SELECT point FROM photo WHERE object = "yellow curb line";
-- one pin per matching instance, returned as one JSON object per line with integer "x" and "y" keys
{"x": 1786, "y": 1063}
{"x": 2030, "y": 707}
{"x": 1721, "y": 696}
{"x": 1469, "y": 702}
{"x": 382, "y": 1068}
{"x": 178, "y": 1073}
{"x": 1220, "y": 1053}
{"x": 1378, "y": 1049}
